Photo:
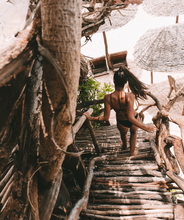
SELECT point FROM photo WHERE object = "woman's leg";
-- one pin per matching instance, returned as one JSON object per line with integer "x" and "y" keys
{"x": 133, "y": 139}
{"x": 123, "y": 132}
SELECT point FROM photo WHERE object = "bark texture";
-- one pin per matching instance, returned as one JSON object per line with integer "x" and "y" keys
{"x": 61, "y": 34}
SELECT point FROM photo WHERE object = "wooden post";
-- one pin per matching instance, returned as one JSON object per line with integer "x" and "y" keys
{"x": 109, "y": 65}
{"x": 90, "y": 127}
{"x": 177, "y": 179}
{"x": 177, "y": 19}
{"x": 151, "y": 77}
{"x": 172, "y": 84}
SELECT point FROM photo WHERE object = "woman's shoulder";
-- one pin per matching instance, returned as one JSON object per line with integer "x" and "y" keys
{"x": 130, "y": 96}
{"x": 107, "y": 97}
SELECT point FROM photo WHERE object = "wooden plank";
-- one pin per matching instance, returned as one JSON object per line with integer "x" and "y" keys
{"x": 157, "y": 197}
{"x": 130, "y": 207}
{"x": 132, "y": 179}
{"x": 120, "y": 161}
{"x": 136, "y": 217}
{"x": 116, "y": 192}
{"x": 128, "y": 189}
{"x": 131, "y": 212}
{"x": 126, "y": 167}
{"x": 122, "y": 184}
{"x": 130, "y": 173}
{"x": 129, "y": 201}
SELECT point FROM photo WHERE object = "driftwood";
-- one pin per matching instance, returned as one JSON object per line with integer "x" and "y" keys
{"x": 178, "y": 149}
{"x": 90, "y": 127}
{"x": 156, "y": 153}
{"x": 172, "y": 85}
{"x": 171, "y": 102}
{"x": 161, "y": 120}
{"x": 178, "y": 180}
{"x": 179, "y": 120}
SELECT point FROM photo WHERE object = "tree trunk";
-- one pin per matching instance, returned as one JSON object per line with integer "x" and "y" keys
{"x": 61, "y": 35}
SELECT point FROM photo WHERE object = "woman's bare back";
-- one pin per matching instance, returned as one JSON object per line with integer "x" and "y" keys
{"x": 118, "y": 102}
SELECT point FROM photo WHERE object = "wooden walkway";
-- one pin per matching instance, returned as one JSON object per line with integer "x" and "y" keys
{"x": 124, "y": 187}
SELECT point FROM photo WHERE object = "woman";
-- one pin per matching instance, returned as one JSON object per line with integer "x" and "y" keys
{"x": 123, "y": 104}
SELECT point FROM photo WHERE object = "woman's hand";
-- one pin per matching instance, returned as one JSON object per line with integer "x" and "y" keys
{"x": 152, "y": 129}
{"x": 87, "y": 114}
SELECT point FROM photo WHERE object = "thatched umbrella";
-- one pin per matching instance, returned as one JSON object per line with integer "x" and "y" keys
{"x": 118, "y": 18}
{"x": 164, "y": 7}
{"x": 162, "y": 49}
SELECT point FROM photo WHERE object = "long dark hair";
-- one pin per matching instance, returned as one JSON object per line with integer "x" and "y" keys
{"x": 137, "y": 87}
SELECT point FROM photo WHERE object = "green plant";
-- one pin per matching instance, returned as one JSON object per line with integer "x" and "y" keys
{"x": 174, "y": 192}
{"x": 91, "y": 90}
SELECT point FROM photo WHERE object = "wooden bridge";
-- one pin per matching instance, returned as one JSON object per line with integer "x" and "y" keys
{"x": 121, "y": 187}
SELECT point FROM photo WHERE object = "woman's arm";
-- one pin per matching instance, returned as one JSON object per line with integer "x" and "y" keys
{"x": 107, "y": 109}
{"x": 131, "y": 115}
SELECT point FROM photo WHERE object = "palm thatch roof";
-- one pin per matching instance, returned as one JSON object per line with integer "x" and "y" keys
{"x": 164, "y": 7}
{"x": 161, "y": 49}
